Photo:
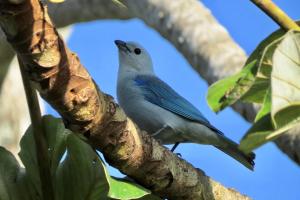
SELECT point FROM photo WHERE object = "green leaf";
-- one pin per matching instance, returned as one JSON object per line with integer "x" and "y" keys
{"x": 81, "y": 173}
{"x": 225, "y": 92}
{"x": 266, "y": 107}
{"x": 281, "y": 110}
{"x": 257, "y": 91}
{"x": 14, "y": 183}
{"x": 261, "y": 132}
{"x": 125, "y": 189}
{"x": 55, "y": 136}
{"x": 251, "y": 83}
{"x": 120, "y": 188}
{"x": 79, "y": 176}
{"x": 257, "y": 134}
{"x": 285, "y": 80}
{"x": 76, "y": 169}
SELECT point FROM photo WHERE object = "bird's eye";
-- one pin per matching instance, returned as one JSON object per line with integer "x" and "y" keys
{"x": 137, "y": 51}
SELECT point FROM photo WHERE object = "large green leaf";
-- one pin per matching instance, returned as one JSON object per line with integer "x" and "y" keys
{"x": 261, "y": 132}
{"x": 77, "y": 171}
{"x": 261, "y": 83}
{"x": 251, "y": 83}
{"x": 81, "y": 173}
{"x": 125, "y": 189}
{"x": 14, "y": 182}
{"x": 55, "y": 136}
{"x": 281, "y": 108}
{"x": 257, "y": 134}
{"x": 258, "y": 86}
{"x": 266, "y": 106}
{"x": 285, "y": 81}
{"x": 78, "y": 176}
{"x": 225, "y": 92}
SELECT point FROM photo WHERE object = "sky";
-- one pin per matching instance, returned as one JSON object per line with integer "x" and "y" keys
{"x": 275, "y": 175}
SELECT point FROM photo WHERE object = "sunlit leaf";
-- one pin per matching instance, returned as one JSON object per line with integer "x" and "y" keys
{"x": 124, "y": 189}
{"x": 257, "y": 134}
{"x": 261, "y": 132}
{"x": 257, "y": 92}
{"x": 266, "y": 106}
{"x": 251, "y": 83}
{"x": 285, "y": 80}
{"x": 261, "y": 82}
{"x": 120, "y": 188}
{"x": 224, "y": 92}
{"x": 281, "y": 110}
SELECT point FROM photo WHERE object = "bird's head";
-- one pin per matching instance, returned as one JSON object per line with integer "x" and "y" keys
{"x": 134, "y": 57}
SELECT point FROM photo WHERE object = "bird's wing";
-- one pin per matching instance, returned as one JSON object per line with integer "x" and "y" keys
{"x": 159, "y": 93}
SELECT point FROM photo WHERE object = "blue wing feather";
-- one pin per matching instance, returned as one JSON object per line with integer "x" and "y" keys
{"x": 159, "y": 93}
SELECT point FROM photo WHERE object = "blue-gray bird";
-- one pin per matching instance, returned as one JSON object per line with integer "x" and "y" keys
{"x": 156, "y": 108}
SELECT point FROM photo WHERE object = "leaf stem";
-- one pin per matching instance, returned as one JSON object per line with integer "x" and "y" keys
{"x": 39, "y": 135}
{"x": 278, "y": 15}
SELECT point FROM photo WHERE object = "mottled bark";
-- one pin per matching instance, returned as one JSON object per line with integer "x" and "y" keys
{"x": 66, "y": 85}
{"x": 192, "y": 29}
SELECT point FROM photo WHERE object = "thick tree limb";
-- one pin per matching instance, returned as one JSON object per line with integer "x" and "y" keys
{"x": 67, "y": 86}
{"x": 194, "y": 32}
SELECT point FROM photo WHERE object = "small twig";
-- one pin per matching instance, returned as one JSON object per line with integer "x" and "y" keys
{"x": 278, "y": 15}
{"x": 39, "y": 136}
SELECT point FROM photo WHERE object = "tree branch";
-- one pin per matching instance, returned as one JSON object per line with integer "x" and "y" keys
{"x": 67, "y": 86}
{"x": 278, "y": 15}
{"x": 195, "y": 33}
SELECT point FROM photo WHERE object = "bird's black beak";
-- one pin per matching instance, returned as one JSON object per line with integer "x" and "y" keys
{"x": 122, "y": 46}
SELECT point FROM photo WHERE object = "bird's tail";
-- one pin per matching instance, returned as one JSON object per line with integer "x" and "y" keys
{"x": 231, "y": 148}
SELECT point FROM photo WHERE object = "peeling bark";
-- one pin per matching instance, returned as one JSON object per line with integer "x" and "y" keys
{"x": 66, "y": 85}
{"x": 194, "y": 31}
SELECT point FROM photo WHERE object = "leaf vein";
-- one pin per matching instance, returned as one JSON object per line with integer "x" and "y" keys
{"x": 282, "y": 97}
{"x": 297, "y": 45}
{"x": 286, "y": 55}
{"x": 286, "y": 81}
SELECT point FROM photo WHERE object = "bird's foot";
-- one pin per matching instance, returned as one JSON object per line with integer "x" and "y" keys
{"x": 175, "y": 146}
